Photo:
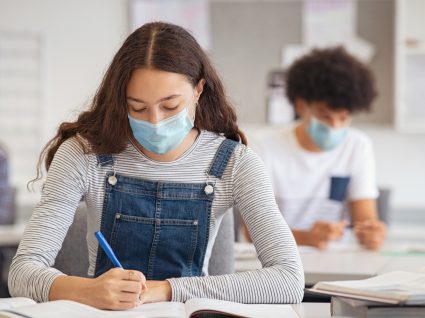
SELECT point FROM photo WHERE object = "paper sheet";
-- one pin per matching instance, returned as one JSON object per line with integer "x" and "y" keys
{"x": 69, "y": 309}
{"x": 242, "y": 310}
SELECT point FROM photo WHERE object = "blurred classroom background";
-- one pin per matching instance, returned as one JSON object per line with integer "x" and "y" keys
{"x": 53, "y": 55}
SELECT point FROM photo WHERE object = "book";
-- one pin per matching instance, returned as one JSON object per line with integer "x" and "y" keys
{"x": 25, "y": 307}
{"x": 398, "y": 288}
{"x": 341, "y": 306}
{"x": 7, "y": 303}
{"x": 197, "y": 307}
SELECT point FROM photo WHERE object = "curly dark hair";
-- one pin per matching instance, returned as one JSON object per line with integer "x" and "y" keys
{"x": 332, "y": 76}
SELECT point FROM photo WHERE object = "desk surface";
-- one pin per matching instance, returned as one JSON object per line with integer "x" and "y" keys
{"x": 313, "y": 310}
{"x": 403, "y": 250}
{"x": 10, "y": 235}
{"x": 342, "y": 261}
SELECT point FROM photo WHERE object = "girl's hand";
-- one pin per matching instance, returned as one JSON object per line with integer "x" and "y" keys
{"x": 117, "y": 289}
{"x": 156, "y": 291}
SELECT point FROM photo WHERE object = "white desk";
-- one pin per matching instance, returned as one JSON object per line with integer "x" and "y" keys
{"x": 313, "y": 310}
{"x": 10, "y": 235}
{"x": 348, "y": 260}
{"x": 339, "y": 262}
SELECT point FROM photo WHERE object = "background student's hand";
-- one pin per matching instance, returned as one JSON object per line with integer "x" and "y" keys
{"x": 156, "y": 291}
{"x": 117, "y": 289}
{"x": 370, "y": 233}
{"x": 322, "y": 232}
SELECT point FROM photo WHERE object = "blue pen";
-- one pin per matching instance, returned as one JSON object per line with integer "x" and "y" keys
{"x": 107, "y": 248}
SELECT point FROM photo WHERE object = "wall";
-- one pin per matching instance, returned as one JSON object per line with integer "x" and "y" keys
{"x": 248, "y": 37}
{"x": 400, "y": 166}
{"x": 380, "y": 32}
{"x": 79, "y": 40}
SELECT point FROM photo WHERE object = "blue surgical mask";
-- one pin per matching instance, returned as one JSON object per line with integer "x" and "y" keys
{"x": 325, "y": 137}
{"x": 163, "y": 136}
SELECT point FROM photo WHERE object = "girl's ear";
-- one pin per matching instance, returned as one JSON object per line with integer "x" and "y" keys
{"x": 199, "y": 88}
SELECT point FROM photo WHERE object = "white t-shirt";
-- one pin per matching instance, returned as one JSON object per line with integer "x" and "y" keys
{"x": 313, "y": 186}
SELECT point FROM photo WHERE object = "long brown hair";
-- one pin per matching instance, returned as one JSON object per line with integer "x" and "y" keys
{"x": 160, "y": 46}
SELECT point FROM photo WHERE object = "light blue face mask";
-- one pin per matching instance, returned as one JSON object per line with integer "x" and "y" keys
{"x": 325, "y": 137}
{"x": 163, "y": 136}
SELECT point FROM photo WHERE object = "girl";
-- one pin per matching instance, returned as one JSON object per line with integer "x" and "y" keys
{"x": 158, "y": 160}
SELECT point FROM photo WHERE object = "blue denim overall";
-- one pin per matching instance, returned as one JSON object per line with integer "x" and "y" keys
{"x": 158, "y": 228}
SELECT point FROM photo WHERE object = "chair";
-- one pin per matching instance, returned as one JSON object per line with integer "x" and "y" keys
{"x": 8, "y": 199}
{"x": 383, "y": 204}
{"x": 222, "y": 259}
{"x": 72, "y": 259}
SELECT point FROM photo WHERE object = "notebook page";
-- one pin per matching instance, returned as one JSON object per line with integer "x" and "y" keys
{"x": 70, "y": 309}
{"x": 7, "y": 303}
{"x": 239, "y": 310}
{"x": 161, "y": 310}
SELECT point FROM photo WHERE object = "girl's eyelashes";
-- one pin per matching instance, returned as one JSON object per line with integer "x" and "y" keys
{"x": 171, "y": 107}
{"x": 167, "y": 108}
{"x": 139, "y": 110}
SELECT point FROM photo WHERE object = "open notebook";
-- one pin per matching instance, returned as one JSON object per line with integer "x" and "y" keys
{"x": 398, "y": 287}
{"x": 24, "y": 307}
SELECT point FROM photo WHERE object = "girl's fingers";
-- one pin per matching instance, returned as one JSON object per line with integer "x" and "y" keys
{"x": 136, "y": 276}
{"x": 124, "y": 305}
{"x": 128, "y": 297}
{"x": 130, "y": 287}
{"x": 132, "y": 275}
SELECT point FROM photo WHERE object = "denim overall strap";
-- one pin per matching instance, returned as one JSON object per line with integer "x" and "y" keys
{"x": 105, "y": 160}
{"x": 222, "y": 157}
{"x": 159, "y": 228}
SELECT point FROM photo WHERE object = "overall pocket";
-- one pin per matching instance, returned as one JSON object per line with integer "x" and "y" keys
{"x": 160, "y": 248}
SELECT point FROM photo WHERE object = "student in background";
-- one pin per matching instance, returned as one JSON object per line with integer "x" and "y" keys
{"x": 322, "y": 167}
{"x": 158, "y": 159}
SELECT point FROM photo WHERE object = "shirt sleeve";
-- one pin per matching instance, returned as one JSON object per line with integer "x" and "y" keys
{"x": 31, "y": 272}
{"x": 363, "y": 177}
{"x": 281, "y": 280}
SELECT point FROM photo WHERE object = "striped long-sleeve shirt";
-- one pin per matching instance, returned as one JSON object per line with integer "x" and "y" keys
{"x": 75, "y": 174}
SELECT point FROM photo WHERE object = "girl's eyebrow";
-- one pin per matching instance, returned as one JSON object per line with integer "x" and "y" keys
{"x": 160, "y": 100}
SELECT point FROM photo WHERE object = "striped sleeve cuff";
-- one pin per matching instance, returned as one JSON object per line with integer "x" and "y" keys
{"x": 176, "y": 290}
{"x": 48, "y": 279}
